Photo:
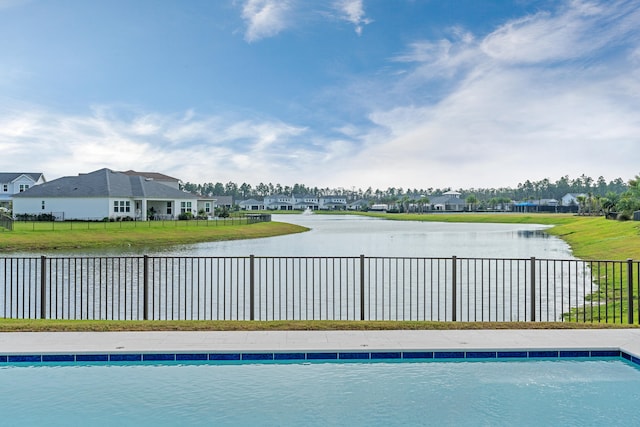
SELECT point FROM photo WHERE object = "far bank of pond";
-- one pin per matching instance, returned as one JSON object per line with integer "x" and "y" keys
{"x": 590, "y": 237}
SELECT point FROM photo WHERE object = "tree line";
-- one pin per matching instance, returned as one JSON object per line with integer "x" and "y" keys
{"x": 528, "y": 190}
{"x": 599, "y": 195}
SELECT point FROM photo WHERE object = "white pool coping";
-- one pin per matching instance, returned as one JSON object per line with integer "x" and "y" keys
{"x": 16, "y": 343}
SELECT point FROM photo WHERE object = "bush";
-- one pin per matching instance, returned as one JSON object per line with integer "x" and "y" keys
{"x": 45, "y": 217}
{"x": 185, "y": 216}
{"x": 222, "y": 212}
{"x": 623, "y": 216}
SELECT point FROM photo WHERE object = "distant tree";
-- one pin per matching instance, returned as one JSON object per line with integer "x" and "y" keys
{"x": 581, "y": 204}
{"x": 471, "y": 201}
{"x": 245, "y": 190}
{"x": 634, "y": 186}
{"x": 607, "y": 205}
{"x": 404, "y": 200}
{"x": 218, "y": 189}
{"x": 422, "y": 201}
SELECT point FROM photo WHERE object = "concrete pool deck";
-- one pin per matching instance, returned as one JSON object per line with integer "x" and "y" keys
{"x": 16, "y": 343}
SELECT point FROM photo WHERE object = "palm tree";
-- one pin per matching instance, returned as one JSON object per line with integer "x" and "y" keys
{"x": 471, "y": 201}
{"x": 421, "y": 202}
{"x": 581, "y": 204}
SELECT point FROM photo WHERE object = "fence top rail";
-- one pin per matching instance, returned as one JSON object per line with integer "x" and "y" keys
{"x": 413, "y": 258}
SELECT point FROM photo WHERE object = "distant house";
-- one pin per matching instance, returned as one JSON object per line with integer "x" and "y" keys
{"x": 546, "y": 202}
{"x": 279, "y": 202}
{"x": 449, "y": 201}
{"x": 358, "y": 205}
{"x": 223, "y": 201}
{"x": 333, "y": 203}
{"x": 251, "y": 205}
{"x": 12, "y": 183}
{"x": 305, "y": 201}
{"x": 380, "y": 207}
{"x": 107, "y": 194}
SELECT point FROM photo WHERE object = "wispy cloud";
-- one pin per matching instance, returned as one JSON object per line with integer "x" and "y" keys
{"x": 352, "y": 11}
{"x": 187, "y": 145}
{"x": 265, "y": 18}
{"x": 575, "y": 31}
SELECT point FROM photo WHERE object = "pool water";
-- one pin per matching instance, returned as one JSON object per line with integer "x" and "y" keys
{"x": 541, "y": 392}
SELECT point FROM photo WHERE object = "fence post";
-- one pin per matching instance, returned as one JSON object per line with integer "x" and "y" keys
{"x": 630, "y": 291}
{"x": 252, "y": 284}
{"x": 454, "y": 290}
{"x": 533, "y": 289}
{"x": 43, "y": 287}
{"x": 361, "y": 287}
{"x": 145, "y": 281}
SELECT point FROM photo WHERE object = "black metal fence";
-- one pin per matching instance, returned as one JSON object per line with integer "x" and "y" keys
{"x": 6, "y": 223}
{"x": 98, "y": 223}
{"x": 319, "y": 288}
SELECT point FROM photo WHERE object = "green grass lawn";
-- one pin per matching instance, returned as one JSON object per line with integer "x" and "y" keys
{"x": 96, "y": 235}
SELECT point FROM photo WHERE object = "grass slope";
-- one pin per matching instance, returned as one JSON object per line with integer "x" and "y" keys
{"x": 85, "y": 237}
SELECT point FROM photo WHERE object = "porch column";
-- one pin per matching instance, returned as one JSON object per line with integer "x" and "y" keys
{"x": 143, "y": 208}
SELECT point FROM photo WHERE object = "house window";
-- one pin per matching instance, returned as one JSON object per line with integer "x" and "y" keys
{"x": 5, "y": 187}
{"x": 169, "y": 210}
{"x": 207, "y": 207}
{"x": 43, "y": 205}
{"x": 185, "y": 207}
{"x": 121, "y": 206}
{"x": 24, "y": 187}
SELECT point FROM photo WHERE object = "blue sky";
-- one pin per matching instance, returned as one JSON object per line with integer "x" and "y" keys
{"x": 345, "y": 93}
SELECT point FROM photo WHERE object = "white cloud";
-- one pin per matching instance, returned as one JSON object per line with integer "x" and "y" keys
{"x": 352, "y": 11}
{"x": 265, "y": 18}
{"x": 189, "y": 146}
{"x": 575, "y": 31}
{"x": 531, "y": 99}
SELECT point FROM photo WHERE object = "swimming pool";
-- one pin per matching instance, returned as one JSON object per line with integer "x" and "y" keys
{"x": 539, "y": 390}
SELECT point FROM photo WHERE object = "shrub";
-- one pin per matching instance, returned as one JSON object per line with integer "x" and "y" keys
{"x": 623, "y": 216}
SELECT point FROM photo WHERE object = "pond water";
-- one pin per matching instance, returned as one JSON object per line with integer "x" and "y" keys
{"x": 348, "y": 235}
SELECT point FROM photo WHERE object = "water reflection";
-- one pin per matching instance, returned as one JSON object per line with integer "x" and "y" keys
{"x": 531, "y": 234}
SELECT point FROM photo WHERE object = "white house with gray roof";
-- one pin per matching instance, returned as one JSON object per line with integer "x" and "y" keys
{"x": 12, "y": 183}
{"x": 449, "y": 201}
{"x": 107, "y": 194}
